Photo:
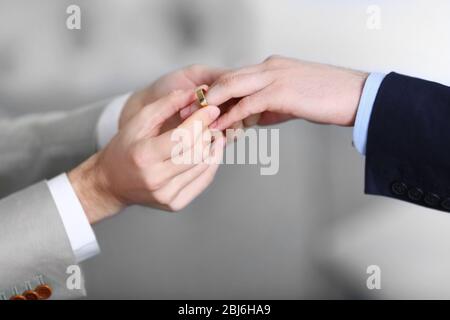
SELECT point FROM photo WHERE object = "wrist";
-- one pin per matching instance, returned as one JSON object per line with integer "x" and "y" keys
{"x": 356, "y": 86}
{"x": 91, "y": 187}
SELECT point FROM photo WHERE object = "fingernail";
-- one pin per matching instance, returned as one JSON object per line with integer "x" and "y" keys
{"x": 214, "y": 112}
{"x": 185, "y": 112}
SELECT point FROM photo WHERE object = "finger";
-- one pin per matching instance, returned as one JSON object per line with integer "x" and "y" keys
{"x": 192, "y": 154}
{"x": 252, "y": 120}
{"x": 246, "y": 107}
{"x": 165, "y": 171}
{"x": 168, "y": 193}
{"x": 202, "y": 74}
{"x": 247, "y": 122}
{"x": 155, "y": 114}
{"x": 216, "y": 149}
{"x": 244, "y": 70}
{"x": 171, "y": 189}
{"x": 177, "y": 141}
{"x": 187, "y": 133}
{"x": 237, "y": 86}
{"x": 234, "y": 132}
{"x": 205, "y": 116}
{"x": 256, "y": 68}
{"x": 196, "y": 187}
{"x": 189, "y": 110}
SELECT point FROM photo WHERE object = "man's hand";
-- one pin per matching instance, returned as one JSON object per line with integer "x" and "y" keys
{"x": 281, "y": 88}
{"x": 137, "y": 166}
{"x": 184, "y": 79}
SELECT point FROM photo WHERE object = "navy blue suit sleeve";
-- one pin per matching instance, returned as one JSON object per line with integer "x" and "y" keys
{"x": 408, "y": 142}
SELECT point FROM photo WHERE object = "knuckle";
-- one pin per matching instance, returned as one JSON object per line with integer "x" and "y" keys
{"x": 152, "y": 184}
{"x": 156, "y": 119}
{"x": 175, "y": 207}
{"x": 228, "y": 79}
{"x": 194, "y": 68}
{"x": 163, "y": 198}
{"x": 273, "y": 60}
{"x": 174, "y": 94}
{"x": 246, "y": 104}
{"x": 138, "y": 157}
{"x": 153, "y": 181}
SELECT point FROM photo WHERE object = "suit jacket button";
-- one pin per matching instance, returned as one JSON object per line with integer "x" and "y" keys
{"x": 432, "y": 199}
{"x": 415, "y": 194}
{"x": 399, "y": 188}
{"x": 446, "y": 204}
{"x": 17, "y": 295}
{"x": 44, "y": 291}
{"x": 31, "y": 295}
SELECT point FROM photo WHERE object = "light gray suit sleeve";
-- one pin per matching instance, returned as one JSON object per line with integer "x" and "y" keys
{"x": 34, "y": 244}
{"x": 33, "y": 241}
{"x": 40, "y": 146}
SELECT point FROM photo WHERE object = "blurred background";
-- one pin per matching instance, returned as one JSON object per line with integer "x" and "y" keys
{"x": 307, "y": 232}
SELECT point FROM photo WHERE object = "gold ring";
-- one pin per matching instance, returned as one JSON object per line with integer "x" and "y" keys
{"x": 200, "y": 92}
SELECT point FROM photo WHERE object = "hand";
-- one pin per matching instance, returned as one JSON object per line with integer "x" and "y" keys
{"x": 280, "y": 89}
{"x": 184, "y": 79}
{"x": 138, "y": 166}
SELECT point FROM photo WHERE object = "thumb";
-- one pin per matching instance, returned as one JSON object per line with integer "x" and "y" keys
{"x": 156, "y": 113}
{"x": 206, "y": 116}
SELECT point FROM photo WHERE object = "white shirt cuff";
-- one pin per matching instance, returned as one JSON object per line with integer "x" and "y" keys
{"x": 81, "y": 236}
{"x": 108, "y": 123}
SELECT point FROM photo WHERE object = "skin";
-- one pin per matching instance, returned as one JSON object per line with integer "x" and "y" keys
{"x": 280, "y": 89}
{"x": 188, "y": 78}
{"x": 137, "y": 167}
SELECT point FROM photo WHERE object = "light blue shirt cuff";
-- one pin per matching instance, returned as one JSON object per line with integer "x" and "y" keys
{"x": 365, "y": 107}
